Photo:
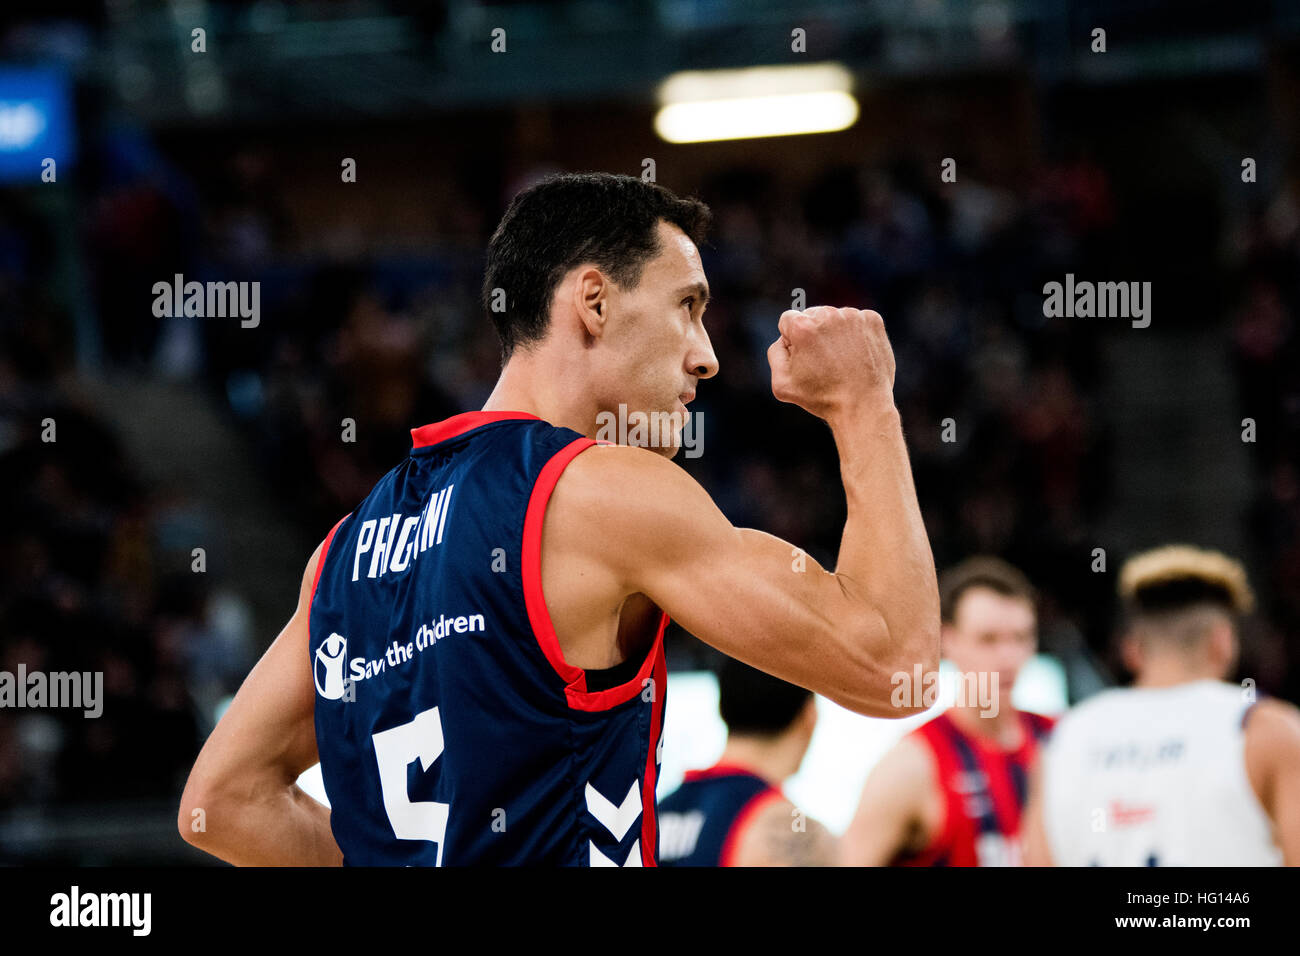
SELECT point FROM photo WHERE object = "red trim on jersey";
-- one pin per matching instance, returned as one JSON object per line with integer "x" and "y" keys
{"x": 427, "y": 435}
{"x": 575, "y": 678}
{"x": 956, "y": 837}
{"x": 324, "y": 550}
{"x": 649, "y": 812}
{"x": 717, "y": 770}
{"x": 1042, "y": 723}
{"x": 743, "y": 819}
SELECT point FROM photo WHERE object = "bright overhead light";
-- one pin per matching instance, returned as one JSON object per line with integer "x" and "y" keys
{"x": 702, "y": 106}
{"x": 756, "y": 116}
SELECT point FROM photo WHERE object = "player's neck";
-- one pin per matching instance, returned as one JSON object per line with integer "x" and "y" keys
{"x": 1002, "y": 728}
{"x": 774, "y": 761}
{"x": 527, "y": 384}
{"x": 1171, "y": 670}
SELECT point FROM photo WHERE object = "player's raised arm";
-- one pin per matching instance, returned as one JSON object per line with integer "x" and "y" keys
{"x": 241, "y": 802}
{"x": 645, "y": 526}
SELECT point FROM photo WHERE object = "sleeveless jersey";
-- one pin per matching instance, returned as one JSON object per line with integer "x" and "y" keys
{"x": 701, "y": 820}
{"x": 984, "y": 790}
{"x": 451, "y": 730}
{"x": 1155, "y": 776}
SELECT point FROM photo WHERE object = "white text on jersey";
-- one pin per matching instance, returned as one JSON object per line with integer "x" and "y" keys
{"x": 394, "y": 542}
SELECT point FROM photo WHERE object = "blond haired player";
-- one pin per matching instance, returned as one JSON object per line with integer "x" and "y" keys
{"x": 1182, "y": 768}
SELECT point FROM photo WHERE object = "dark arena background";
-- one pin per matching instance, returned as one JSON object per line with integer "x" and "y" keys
{"x": 166, "y": 476}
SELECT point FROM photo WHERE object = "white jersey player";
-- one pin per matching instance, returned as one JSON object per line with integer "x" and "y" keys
{"x": 1182, "y": 769}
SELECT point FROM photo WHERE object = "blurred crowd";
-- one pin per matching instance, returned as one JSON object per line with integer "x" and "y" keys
{"x": 94, "y": 570}
{"x": 1000, "y": 405}
{"x": 1263, "y": 253}
{"x": 1009, "y": 439}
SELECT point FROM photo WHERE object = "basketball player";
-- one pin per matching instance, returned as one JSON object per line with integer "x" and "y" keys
{"x": 485, "y": 629}
{"x": 1182, "y": 768}
{"x": 951, "y": 792}
{"x": 734, "y": 813}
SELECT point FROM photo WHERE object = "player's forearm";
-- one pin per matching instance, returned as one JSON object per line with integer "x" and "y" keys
{"x": 885, "y": 559}
{"x": 277, "y": 825}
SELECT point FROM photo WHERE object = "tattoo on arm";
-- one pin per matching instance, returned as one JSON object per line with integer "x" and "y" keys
{"x": 790, "y": 838}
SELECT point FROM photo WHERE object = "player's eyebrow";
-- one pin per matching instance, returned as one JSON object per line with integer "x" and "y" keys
{"x": 699, "y": 288}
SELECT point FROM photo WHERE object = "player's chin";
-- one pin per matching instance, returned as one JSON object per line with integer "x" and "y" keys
{"x": 668, "y": 447}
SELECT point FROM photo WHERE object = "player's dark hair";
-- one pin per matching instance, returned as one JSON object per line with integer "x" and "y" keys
{"x": 1174, "y": 593}
{"x": 757, "y": 704}
{"x": 568, "y": 219}
{"x": 981, "y": 571}
{"x": 1179, "y": 593}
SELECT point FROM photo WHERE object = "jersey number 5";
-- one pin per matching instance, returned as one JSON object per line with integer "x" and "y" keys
{"x": 394, "y": 750}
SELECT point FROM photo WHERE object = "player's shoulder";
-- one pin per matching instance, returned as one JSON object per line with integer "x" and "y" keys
{"x": 624, "y": 490}
{"x": 778, "y": 833}
{"x": 603, "y": 462}
{"x": 1271, "y": 744}
{"x": 771, "y": 806}
{"x": 1275, "y": 722}
{"x": 910, "y": 763}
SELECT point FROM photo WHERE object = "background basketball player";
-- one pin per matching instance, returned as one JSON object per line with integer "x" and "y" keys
{"x": 536, "y": 731}
{"x": 1182, "y": 768}
{"x": 951, "y": 792}
{"x": 734, "y": 813}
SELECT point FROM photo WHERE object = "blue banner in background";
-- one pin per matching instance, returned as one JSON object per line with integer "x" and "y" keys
{"x": 35, "y": 122}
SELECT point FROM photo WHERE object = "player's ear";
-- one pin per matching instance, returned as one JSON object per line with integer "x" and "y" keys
{"x": 1130, "y": 652}
{"x": 591, "y": 299}
{"x": 1224, "y": 647}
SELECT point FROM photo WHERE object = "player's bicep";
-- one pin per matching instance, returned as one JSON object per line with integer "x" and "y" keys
{"x": 747, "y": 593}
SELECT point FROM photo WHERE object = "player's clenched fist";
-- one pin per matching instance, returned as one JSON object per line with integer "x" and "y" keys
{"x": 828, "y": 360}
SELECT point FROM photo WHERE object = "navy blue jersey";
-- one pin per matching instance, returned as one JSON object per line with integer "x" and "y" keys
{"x": 450, "y": 729}
{"x": 701, "y": 820}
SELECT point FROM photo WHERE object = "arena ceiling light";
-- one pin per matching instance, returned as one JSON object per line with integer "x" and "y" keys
{"x": 700, "y": 106}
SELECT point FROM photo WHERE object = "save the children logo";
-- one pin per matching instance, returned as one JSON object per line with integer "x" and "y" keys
{"x": 328, "y": 671}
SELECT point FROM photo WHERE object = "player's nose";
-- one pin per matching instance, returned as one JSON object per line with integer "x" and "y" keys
{"x": 701, "y": 361}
